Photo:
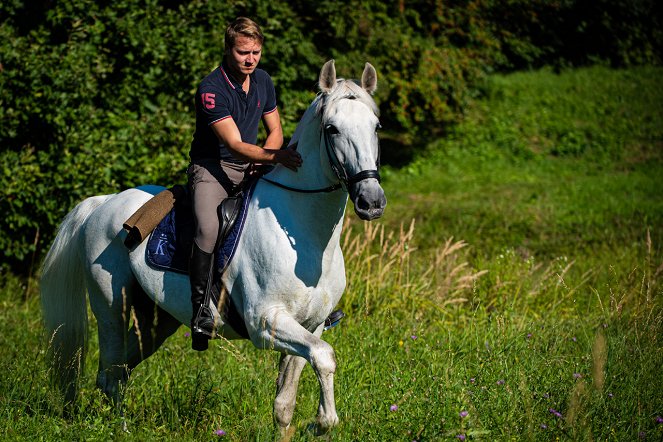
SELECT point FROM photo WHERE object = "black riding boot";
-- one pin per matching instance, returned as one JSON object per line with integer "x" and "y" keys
{"x": 201, "y": 266}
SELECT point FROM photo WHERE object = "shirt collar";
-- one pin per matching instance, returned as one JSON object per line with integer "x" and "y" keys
{"x": 225, "y": 72}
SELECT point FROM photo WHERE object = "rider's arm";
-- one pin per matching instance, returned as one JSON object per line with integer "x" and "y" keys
{"x": 226, "y": 130}
{"x": 272, "y": 122}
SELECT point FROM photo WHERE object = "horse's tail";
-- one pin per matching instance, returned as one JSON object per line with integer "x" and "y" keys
{"x": 64, "y": 307}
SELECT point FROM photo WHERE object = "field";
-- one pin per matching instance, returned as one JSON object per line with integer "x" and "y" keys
{"x": 512, "y": 291}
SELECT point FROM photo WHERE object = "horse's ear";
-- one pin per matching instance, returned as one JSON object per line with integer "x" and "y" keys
{"x": 327, "y": 77}
{"x": 369, "y": 79}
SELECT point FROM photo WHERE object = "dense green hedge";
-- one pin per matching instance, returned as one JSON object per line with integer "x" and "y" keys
{"x": 96, "y": 96}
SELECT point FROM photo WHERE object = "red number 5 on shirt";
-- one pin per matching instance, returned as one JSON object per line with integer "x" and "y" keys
{"x": 208, "y": 100}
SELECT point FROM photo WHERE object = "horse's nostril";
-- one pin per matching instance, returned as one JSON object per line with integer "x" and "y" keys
{"x": 363, "y": 204}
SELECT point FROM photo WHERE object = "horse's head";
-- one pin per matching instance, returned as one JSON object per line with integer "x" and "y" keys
{"x": 349, "y": 125}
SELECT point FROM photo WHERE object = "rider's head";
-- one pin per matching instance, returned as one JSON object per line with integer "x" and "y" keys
{"x": 243, "y": 46}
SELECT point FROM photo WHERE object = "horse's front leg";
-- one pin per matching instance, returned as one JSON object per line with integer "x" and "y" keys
{"x": 279, "y": 331}
{"x": 290, "y": 369}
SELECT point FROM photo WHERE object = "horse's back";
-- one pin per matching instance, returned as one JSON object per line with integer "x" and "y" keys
{"x": 105, "y": 223}
{"x": 106, "y": 259}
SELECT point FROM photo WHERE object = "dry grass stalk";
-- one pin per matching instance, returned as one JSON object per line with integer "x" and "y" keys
{"x": 577, "y": 402}
{"x": 599, "y": 357}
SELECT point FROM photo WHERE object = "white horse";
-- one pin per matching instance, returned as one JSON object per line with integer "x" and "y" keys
{"x": 285, "y": 278}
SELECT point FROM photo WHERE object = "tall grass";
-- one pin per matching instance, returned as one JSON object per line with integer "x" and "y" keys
{"x": 502, "y": 297}
{"x": 386, "y": 276}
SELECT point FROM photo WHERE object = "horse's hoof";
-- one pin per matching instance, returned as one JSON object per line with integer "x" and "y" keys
{"x": 286, "y": 433}
{"x": 325, "y": 425}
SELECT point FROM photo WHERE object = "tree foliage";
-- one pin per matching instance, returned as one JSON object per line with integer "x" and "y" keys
{"x": 97, "y": 96}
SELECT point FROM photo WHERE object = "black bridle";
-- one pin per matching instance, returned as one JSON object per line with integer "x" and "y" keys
{"x": 345, "y": 181}
{"x": 342, "y": 175}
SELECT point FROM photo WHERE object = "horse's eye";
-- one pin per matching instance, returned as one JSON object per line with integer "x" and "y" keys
{"x": 331, "y": 129}
{"x": 378, "y": 127}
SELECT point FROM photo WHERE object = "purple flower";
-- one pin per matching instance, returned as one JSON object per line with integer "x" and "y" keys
{"x": 413, "y": 337}
{"x": 544, "y": 426}
{"x": 500, "y": 382}
{"x": 460, "y": 437}
{"x": 529, "y": 335}
{"x": 659, "y": 420}
{"x": 220, "y": 432}
{"x": 187, "y": 334}
{"x": 393, "y": 407}
{"x": 574, "y": 339}
{"x": 555, "y": 412}
{"x": 463, "y": 413}
{"x": 546, "y": 395}
{"x": 577, "y": 375}
{"x": 472, "y": 380}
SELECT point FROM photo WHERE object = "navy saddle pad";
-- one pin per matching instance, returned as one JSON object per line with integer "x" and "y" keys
{"x": 169, "y": 245}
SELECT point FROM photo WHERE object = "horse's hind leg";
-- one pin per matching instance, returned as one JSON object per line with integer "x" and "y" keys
{"x": 280, "y": 331}
{"x": 110, "y": 285}
{"x": 290, "y": 369}
{"x": 113, "y": 313}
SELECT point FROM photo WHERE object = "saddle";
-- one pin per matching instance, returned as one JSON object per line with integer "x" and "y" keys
{"x": 168, "y": 220}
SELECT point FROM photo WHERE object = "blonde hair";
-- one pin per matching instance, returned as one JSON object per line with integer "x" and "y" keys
{"x": 242, "y": 27}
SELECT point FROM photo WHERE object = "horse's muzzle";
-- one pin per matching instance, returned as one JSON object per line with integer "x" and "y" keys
{"x": 368, "y": 199}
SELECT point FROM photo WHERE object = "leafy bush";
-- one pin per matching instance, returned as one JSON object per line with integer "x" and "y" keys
{"x": 96, "y": 96}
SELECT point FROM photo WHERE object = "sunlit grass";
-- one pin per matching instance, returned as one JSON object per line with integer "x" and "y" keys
{"x": 501, "y": 297}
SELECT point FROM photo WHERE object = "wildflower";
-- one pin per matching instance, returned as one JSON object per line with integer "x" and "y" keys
{"x": 544, "y": 426}
{"x": 659, "y": 420}
{"x": 574, "y": 339}
{"x": 610, "y": 395}
{"x": 393, "y": 407}
{"x": 413, "y": 337}
{"x": 463, "y": 414}
{"x": 555, "y": 412}
{"x": 460, "y": 437}
{"x": 546, "y": 395}
{"x": 577, "y": 375}
{"x": 187, "y": 334}
{"x": 400, "y": 343}
{"x": 472, "y": 380}
{"x": 529, "y": 336}
{"x": 500, "y": 382}
{"x": 220, "y": 432}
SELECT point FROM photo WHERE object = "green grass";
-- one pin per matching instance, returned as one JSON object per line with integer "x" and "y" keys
{"x": 517, "y": 270}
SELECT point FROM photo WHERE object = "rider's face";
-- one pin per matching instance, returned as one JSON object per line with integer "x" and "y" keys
{"x": 244, "y": 56}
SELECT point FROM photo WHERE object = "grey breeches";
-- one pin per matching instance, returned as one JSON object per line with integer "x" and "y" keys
{"x": 211, "y": 181}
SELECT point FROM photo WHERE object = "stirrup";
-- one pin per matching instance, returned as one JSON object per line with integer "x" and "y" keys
{"x": 199, "y": 341}
{"x": 202, "y": 330}
{"x": 333, "y": 319}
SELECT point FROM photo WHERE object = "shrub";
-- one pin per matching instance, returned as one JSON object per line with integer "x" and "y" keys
{"x": 96, "y": 97}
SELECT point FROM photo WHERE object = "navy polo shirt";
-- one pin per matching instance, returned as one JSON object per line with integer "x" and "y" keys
{"x": 220, "y": 96}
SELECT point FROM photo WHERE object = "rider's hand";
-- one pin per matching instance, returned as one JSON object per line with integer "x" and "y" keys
{"x": 289, "y": 158}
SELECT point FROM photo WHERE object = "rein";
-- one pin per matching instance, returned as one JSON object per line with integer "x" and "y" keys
{"x": 344, "y": 180}
{"x": 328, "y": 189}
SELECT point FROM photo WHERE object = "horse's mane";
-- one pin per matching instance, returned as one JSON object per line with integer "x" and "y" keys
{"x": 350, "y": 89}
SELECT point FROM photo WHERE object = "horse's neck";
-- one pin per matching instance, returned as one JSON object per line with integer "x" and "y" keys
{"x": 315, "y": 172}
{"x": 323, "y": 210}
